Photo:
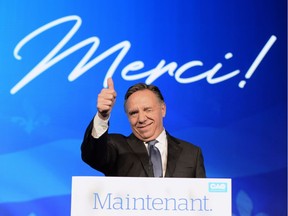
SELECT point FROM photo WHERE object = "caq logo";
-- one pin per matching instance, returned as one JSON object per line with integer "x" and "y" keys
{"x": 217, "y": 187}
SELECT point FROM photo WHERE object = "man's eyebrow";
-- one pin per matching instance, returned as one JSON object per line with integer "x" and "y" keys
{"x": 132, "y": 111}
{"x": 147, "y": 107}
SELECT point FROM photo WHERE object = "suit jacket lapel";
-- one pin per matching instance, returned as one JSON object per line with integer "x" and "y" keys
{"x": 174, "y": 151}
{"x": 138, "y": 147}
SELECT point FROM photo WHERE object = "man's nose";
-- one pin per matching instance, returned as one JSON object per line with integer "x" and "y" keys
{"x": 142, "y": 117}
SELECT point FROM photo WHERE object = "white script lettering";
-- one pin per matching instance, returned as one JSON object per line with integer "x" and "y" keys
{"x": 86, "y": 63}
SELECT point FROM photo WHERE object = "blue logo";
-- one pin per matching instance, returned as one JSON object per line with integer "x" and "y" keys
{"x": 218, "y": 187}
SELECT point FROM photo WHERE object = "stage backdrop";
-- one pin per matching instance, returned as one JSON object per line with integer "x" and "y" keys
{"x": 222, "y": 67}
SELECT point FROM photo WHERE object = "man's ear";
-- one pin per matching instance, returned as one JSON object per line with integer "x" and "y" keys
{"x": 163, "y": 109}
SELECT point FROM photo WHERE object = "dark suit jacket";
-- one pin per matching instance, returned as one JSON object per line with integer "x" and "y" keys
{"x": 118, "y": 155}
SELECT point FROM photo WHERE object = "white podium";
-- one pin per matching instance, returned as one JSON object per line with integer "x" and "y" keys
{"x": 125, "y": 196}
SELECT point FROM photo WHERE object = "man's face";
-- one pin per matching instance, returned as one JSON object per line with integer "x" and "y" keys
{"x": 145, "y": 113}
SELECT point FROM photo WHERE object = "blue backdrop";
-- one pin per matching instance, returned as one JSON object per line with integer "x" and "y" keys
{"x": 221, "y": 65}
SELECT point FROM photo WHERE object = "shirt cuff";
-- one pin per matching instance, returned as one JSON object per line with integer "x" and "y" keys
{"x": 100, "y": 126}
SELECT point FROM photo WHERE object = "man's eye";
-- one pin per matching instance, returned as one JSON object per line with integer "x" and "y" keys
{"x": 133, "y": 113}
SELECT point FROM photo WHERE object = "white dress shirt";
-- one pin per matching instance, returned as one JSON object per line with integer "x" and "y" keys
{"x": 163, "y": 148}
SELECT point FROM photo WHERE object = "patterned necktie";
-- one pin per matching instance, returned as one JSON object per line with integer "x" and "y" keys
{"x": 155, "y": 158}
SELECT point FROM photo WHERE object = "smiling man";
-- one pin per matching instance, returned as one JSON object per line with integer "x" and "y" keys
{"x": 150, "y": 151}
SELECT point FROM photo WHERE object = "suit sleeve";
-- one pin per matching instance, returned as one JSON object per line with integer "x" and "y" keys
{"x": 200, "y": 167}
{"x": 97, "y": 152}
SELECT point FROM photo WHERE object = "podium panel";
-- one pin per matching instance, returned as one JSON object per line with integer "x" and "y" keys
{"x": 124, "y": 196}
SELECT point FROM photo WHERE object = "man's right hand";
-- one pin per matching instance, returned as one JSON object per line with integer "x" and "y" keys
{"x": 106, "y": 100}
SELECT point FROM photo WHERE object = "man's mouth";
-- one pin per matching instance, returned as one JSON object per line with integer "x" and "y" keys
{"x": 143, "y": 126}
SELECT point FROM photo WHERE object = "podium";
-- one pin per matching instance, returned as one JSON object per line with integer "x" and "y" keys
{"x": 125, "y": 196}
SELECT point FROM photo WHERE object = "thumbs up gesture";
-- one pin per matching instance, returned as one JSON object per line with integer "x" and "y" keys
{"x": 106, "y": 100}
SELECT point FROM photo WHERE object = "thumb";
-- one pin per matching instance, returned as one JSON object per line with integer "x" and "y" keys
{"x": 110, "y": 83}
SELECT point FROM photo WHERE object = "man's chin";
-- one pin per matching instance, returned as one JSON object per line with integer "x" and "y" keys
{"x": 144, "y": 135}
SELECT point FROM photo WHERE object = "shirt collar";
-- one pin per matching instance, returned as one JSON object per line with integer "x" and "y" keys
{"x": 162, "y": 137}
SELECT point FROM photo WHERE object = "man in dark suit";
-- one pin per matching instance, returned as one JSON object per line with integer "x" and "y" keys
{"x": 118, "y": 155}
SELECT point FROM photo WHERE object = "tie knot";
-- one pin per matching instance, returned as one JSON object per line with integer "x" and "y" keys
{"x": 152, "y": 142}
